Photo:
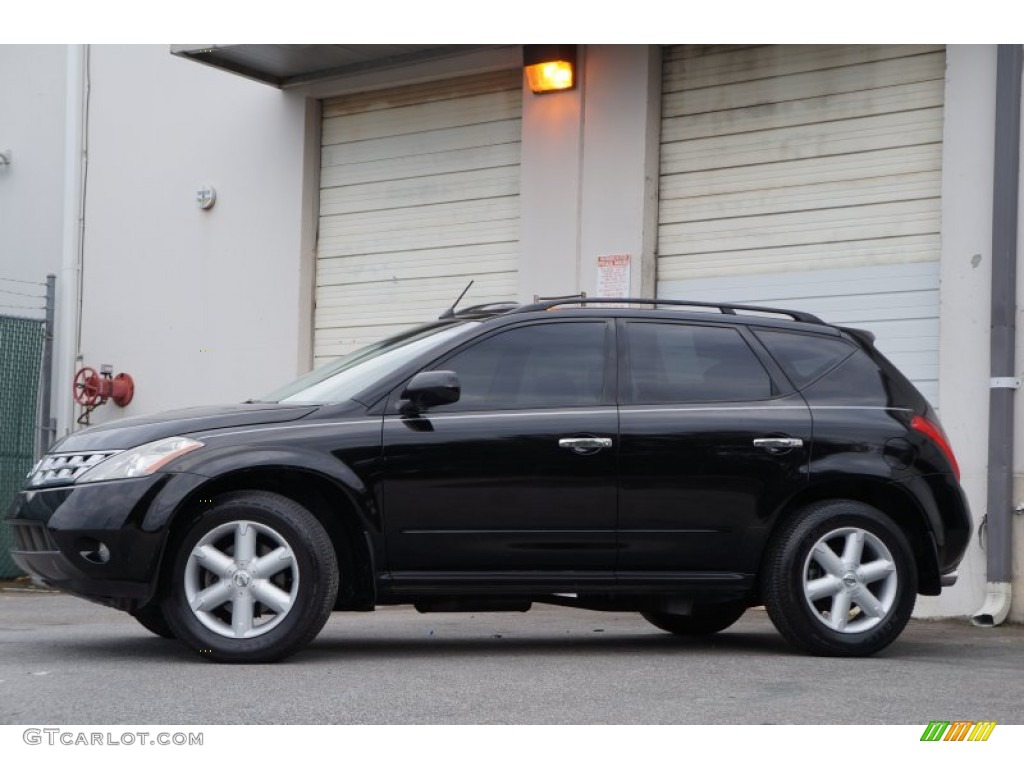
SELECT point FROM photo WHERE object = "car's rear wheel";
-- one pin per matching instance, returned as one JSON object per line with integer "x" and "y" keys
{"x": 152, "y": 618}
{"x": 706, "y": 618}
{"x": 253, "y": 580}
{"x": 840, "y": 579}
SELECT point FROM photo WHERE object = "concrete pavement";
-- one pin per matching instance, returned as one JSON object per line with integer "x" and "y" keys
{"x": 64, "y": 660}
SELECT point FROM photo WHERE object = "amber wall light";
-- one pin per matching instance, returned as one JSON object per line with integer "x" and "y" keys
{"x": 550, "y": 67}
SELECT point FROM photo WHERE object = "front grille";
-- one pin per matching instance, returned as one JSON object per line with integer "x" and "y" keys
{"x": 61, "y": 468}
{"x": 31, "y": 537}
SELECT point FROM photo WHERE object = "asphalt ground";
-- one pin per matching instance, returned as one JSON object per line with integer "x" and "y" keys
{"x": 64, "y": 661}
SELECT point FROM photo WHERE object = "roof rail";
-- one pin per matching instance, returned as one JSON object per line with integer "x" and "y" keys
{"x": 581, "y": 295}
{"x": 725, "y": 309}
{"x": 482, "y": 310}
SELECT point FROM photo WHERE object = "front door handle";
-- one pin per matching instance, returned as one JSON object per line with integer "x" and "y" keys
{"x": 778, "y": 443}
{"x": 584, "y": 444}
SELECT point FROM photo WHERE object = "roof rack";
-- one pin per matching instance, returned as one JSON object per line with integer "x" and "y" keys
{"x": 725, "y": 309}
{"x": 484, "y": 310}
{"x": 582, "y": 295}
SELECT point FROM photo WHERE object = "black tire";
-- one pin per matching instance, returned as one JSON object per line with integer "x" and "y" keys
{"x": 706, "y": 619}
{"x": 282, "y": 602}
{"x": 152, "y": 618}
{"x": 830, "y": 605}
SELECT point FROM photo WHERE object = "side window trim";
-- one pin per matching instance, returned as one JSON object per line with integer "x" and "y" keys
{"x": 781, "y": 385}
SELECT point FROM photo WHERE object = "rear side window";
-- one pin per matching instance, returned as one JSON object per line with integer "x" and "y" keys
{"x": 805, "y": 358}
{"x": 676, "y": 363}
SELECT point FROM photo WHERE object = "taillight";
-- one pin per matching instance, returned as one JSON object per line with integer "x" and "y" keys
{"x": 936, "y": 435}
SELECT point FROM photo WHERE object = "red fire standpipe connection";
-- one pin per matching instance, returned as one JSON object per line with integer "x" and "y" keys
{"x": 92, "y": 389}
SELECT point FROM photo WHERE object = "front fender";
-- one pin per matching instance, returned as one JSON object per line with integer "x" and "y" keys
{"x": 212, "y": 466}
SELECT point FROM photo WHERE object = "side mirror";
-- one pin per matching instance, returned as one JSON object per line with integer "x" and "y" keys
{"x": 431, "y": 388}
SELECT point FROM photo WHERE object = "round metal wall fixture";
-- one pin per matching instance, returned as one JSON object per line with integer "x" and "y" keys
{"x": 206, "y": 196}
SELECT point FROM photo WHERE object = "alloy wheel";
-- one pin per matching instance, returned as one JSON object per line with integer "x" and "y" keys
{"x": 241, "y": 579}
{"x": 850, "y": 581}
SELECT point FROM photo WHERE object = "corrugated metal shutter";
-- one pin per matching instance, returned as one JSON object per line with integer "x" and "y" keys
{"x": 419, "y": 193}
{"x": 808, "y": 176}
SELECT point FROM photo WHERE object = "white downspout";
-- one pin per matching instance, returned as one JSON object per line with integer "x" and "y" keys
{"x": 69, "y": 286}
{"x": 1006, "y": 187}
{"x": 996, "y": 607}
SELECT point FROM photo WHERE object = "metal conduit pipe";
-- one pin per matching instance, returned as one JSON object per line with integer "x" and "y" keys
{"x": 1004, "y": 381}
{"x": 69, "y": 285}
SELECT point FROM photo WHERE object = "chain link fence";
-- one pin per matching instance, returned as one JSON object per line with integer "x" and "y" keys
{"x": 21, "y": 354}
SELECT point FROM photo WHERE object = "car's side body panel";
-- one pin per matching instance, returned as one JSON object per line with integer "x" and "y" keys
{"x": 345, "y": 452}
{"x": 695, "y": 488}
{"x": 495, "y": 491}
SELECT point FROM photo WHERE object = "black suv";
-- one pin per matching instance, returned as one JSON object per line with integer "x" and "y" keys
{"x": 679, "y": 459}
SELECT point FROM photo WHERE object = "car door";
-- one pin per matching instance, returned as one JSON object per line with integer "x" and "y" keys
{"x": 712, "y": 440}
{"x": 519, "y": 474}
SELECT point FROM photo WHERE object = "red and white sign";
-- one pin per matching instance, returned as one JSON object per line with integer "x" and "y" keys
{"x": 613, "y": 276}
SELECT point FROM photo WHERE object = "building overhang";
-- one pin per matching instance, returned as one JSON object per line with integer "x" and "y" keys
{"x": 287, "y": 66}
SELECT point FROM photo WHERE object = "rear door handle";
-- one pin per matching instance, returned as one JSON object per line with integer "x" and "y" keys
{"x": 777, "y": 443}
{"x": 582, "y": 444}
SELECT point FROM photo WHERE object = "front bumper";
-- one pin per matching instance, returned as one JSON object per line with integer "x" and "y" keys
{"x": 89, "y": 539}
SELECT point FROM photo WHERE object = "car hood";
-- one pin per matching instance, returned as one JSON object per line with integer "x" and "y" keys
{"x": 128, "y": 433}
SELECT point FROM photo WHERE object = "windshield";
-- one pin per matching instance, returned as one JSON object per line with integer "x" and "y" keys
{"x": 345, "y": 377}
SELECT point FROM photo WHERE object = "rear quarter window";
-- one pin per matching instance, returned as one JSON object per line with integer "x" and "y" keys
{"x": 804, "y": 357}
{"x": 857, "y": 380}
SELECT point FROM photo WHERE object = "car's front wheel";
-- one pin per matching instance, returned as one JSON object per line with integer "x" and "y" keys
{"x": 254, "y": 579}
{"x": 839, "y": 579}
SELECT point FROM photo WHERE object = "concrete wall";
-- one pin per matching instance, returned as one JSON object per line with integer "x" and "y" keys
{"x": 33, "y": 85}
{"x": 622, "y": 124}
{"x": 964, "y": 297}
{"x": 32, "y": 127}
{"x": 965, "y": 307}
{"x": 589, "y": 173}
{"x": 198, "y": 306}
{"x": 550, "y": 190}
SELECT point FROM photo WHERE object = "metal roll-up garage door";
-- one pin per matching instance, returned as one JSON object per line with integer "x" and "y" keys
{"x": 419, "y": 193}
{"x": 808, "y": 177}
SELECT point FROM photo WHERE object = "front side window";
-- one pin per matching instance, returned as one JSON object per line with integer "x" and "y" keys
{"x": 547, "y": 365}
{"x": 678, "y": 363}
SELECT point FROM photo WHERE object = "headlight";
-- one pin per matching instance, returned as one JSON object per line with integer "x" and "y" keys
{"x": 144, "y": 460}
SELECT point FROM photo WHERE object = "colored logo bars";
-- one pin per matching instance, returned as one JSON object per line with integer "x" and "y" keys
{"x": 958, "y": 730}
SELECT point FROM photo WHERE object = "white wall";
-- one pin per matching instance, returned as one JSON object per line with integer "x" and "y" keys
{"x": 965, "y": 314}
{"x": 589, "y": 173}
{"x": 198, "y": 306}
{"x": 549, "y": 189}
{"x": 964, "y": 296}
{"x": 622, "y": 120}
{"x": 32, "y": 127}
{"x": 32, "y": 109}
